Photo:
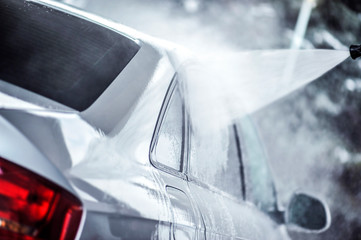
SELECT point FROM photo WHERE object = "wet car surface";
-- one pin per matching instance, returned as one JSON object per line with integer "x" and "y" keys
{"x": 99, "y": 113}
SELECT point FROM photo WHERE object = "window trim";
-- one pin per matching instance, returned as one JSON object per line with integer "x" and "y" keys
{"x": 164, "y": 109}
{"x": 240, "y": 159}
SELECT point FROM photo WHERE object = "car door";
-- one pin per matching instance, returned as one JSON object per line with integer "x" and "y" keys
{"x": 169, "y": 157}
{"x": 217, "y": 183}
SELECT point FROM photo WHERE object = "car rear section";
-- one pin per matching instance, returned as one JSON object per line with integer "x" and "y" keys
{"x": 61, "y": 178}
{"x": 79, "y": 100}
{"x": 36, "y": 201}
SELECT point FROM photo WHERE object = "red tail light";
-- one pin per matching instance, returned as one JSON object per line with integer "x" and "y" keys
{"x": 32, "y": 208}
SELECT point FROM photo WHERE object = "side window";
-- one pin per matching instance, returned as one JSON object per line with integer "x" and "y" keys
{"x": 259, "y": 181}
{"x": 215, "y": 160}
{"x": 169, "y": 146}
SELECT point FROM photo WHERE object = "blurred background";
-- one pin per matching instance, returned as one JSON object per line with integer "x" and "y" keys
{"x": 312, "y": 136}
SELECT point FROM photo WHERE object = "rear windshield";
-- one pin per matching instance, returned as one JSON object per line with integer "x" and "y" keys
{"x": 57, "y": 55}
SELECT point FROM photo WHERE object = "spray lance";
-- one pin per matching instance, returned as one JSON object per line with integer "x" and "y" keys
{"x": 355, "y": 51}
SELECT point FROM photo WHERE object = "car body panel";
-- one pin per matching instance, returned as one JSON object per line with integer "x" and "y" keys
{"x": 103, "y": 156}
{"x": 15, "y": 146}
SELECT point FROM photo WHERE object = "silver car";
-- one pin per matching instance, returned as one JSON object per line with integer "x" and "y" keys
{"x": 96, "y": 141}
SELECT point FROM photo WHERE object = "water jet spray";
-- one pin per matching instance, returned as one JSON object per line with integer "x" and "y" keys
{"x": 355, "y": 51}
{"x": 234, "y": 86}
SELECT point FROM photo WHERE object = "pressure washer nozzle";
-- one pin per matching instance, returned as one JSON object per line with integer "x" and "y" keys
{"x": 355, "y": 51}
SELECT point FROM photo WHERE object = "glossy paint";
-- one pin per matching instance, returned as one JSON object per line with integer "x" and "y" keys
{"x": 103, "y": 156}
